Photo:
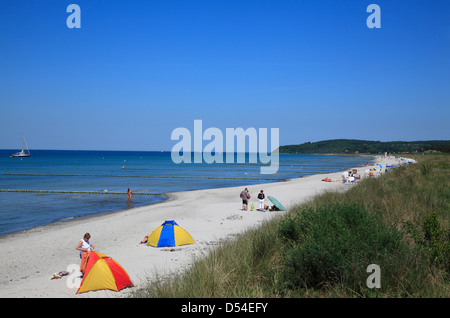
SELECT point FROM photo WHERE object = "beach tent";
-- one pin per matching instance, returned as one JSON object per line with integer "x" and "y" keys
{"x": 277, "y": 203}
{"x": 102, "y": 272}
{"x": 169, "y": 234}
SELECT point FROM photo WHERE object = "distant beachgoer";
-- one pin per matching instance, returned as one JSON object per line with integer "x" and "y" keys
{"x": 344, "y": 176}
{"x": 144, "y": 240}
{"x": 85, "y": 248}
{"x": 350, "y": 177}
{"x": 261, "y": 197}
{"x": 245, "y": 196}
{"x": 129, "y": 195}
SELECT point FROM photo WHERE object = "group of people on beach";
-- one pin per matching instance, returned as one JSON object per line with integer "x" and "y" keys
{"x": 245, "y": 196}
{"x": 85, "y": 247}
{"x": 350, "y": 176}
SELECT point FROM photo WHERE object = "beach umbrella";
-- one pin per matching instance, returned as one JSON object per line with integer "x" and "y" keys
{"x": 277, "y": 203}
{"x": 379, "y": 165}
{"x": 169, "y": 234}
{"x": 102, "y": 272}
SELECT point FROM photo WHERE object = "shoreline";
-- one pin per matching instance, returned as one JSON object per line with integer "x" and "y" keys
{"x": 37, "y": 225}
{"x": 211, "y": 216}
{"x": 98, "y": 214}
{"x": 79, "y": 218}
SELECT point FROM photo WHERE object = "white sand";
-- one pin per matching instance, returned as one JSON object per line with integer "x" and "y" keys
{"x": 29, "y": 258}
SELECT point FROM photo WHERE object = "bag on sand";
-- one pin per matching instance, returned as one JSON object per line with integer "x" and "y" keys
{"x": 252, "y": 208}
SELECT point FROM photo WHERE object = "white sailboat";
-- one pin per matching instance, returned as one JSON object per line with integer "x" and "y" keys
{"x": 23, "y": 153}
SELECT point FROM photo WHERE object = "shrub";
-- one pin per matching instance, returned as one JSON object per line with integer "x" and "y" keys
{"x": 333, "y": 245}
{"x": 433, "y": 239}
{"x": 425, "y": 169}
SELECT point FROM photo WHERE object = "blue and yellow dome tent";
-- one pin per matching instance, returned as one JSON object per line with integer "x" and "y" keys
{"x": 169, "y": 234}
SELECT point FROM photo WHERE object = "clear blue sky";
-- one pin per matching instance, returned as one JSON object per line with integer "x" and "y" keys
{"x": 136, "y": 70}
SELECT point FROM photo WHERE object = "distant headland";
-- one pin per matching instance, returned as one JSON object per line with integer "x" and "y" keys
{"x": 355, "y": 146}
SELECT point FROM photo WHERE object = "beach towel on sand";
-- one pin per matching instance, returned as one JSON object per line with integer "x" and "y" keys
{"x": 58, "y": 275}
{"x": 84, "y": 259}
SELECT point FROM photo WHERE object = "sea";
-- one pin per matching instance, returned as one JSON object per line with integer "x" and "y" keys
{"x": 62, "y": 185}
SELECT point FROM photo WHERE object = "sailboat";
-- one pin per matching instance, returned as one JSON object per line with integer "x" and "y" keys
{"x": 22, "y": 153}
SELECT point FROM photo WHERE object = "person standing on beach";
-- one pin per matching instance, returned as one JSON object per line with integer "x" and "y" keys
{"x": 129, "y": 195}
{"x": 85, "y": 248}
{"x": 245, "y": 196}
{"x": 261, "y": 197}
{"x": 84, "y": 245}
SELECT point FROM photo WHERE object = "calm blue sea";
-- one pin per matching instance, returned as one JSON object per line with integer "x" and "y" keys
{"x": 116, "y": 171}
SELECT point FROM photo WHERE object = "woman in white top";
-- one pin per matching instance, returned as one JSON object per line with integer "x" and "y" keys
{"x": 261, "y": 197}
{"x": 84, "y": 245}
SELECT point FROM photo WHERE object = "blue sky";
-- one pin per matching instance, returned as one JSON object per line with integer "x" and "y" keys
{"x": 136, "y": 70}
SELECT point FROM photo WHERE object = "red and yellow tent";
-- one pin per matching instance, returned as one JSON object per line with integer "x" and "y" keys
{"x": 102, "y": 272}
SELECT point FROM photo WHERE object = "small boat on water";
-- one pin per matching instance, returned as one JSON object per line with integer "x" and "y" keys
{"x": 23, "y": 153}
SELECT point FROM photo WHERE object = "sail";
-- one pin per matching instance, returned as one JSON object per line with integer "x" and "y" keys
{"x": 22, "y": 153}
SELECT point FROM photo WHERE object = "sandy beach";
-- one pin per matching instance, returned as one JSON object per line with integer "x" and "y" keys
{"x": 29, "y": 258}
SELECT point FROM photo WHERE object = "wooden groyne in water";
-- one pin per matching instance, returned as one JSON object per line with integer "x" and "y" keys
{"x": 76, "y": 192}
{"x": 146, "y": 176}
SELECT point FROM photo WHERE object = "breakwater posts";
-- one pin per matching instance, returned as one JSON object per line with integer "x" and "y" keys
{"x": 75, "y": 192}
{"x": 127, "y": 176}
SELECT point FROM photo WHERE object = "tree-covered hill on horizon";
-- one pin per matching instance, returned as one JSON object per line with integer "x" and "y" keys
{"x": 352, "y": 146}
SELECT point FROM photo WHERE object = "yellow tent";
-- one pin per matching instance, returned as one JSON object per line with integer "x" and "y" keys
{"x": 102, "y": 272}
{"x": 169, "y": 234}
